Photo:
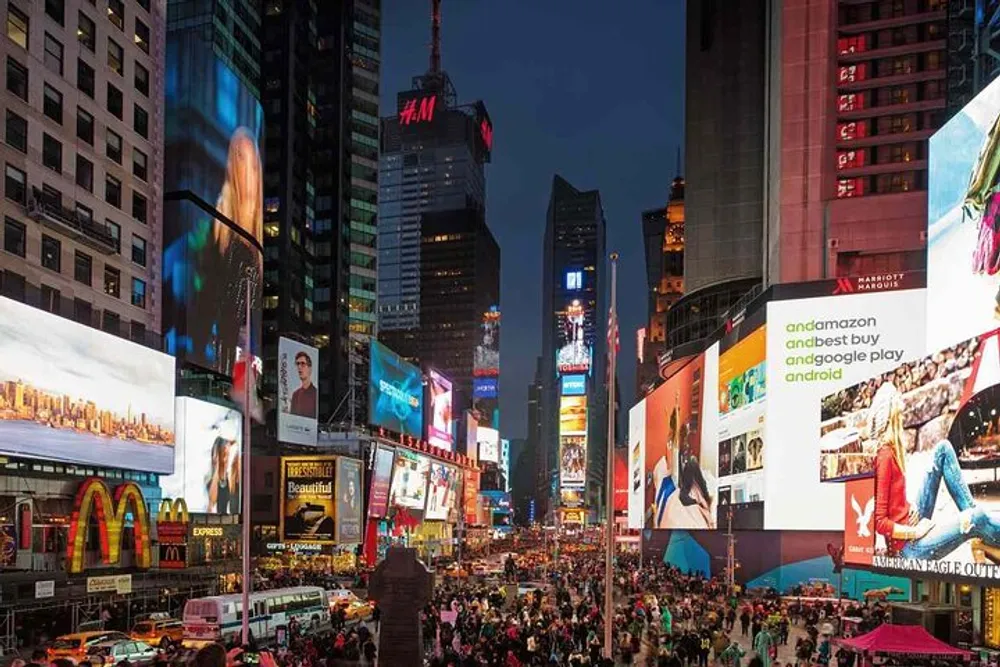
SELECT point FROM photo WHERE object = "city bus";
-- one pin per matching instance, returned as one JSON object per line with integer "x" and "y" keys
{"x": 218, "y": 618}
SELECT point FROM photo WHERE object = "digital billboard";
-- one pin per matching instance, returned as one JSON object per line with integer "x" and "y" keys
{"x": 963, "y": 214}
{"x": 621, "y": 473}
{"x": 381, "y": 479}
{"x": 442, "y": 487}
{"x": 441, "y": 398}
{"x": 504, "y": 464}
{"x": 488, "y": 444}
{"x": 298, "y": 397}
{"x": 573, "y": 339}
{"x": 815, "y": 347}
{"x": 208, "y": 463}
{"x": 471, "y": 493}
{"x": 71, "y": 393}
{"x": 213, "y": 205}
{"x": 486, "y": 359}
{"x": 348, "y": 500}
{"x": 636, "y": 463}
{"x": 928, "y": 434}
{"x": 742, "y": 406}
{"x": 573, "y": 385}
{"x": 308, "y": 503}
{"x": 395, "y": 392}
{"x": 409, "y": 480}
{"x": 681, "y": 456}
{"x": 485, "y": 388}
{"x": 572, "y": 442}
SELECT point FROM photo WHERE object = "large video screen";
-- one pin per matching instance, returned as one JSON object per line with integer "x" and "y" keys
{"x": 208, "y": 465}
{"x": 637, "y": 464}
{"x": 378, "y": 496}
{"x": 395, "y": 393}
{"x": 213, "y": 208}
{"x": 348, "y": 500}
{"x": 681, "y": 456}
{"x": 929, "y": 434}
{"x": 488, "y": 444}
{"x": 298, "y": 397}
{"x": 73, "y": 394}
{"x": 572, "y": 442}
{"x": 409, "y": 480}
{"x": 440, "y": 424}
{"x": 308, "y": 499}
{"x": 574, "y": 338}
{"x": 963, "y": 214}
{"x": 486, "y": 359}
{"x": 814, "y": 348}
{"x": 442, "y": 487}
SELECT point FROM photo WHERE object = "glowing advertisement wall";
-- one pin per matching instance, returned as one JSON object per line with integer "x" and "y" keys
{"x": 814, "y": 348}
{"x": 636, "y": 464}
{"x": 348, "y": 501}
{"x": 441, "y": 398}
{"x": 74, "y": 394}
{"x": 409, "y": 480}
{"x": 208, "y": 463}
{"x": 378, "y": 497}
{"x": 572, "y": 442}
{"x": 573, "y": 354}
{"x": 681, "y": 458}
{"x": 442, "y": 488}
{"x": 929, "y": 434}
{"x": 213, "y": 206}
{"x": 963, "y": 235}
{"x": 486, "y": 359}
{"x": 488, "y": 444}
{"x": 395, "y": 392}
{"x": 308, "y": 500}
{"x": 298, "y": 397}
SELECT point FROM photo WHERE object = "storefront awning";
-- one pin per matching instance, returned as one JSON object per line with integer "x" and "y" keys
{"x": 902, "y": 640}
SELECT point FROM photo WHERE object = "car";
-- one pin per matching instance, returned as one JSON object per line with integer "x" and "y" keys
{"x": 159, "y": 630}
{"x": 479, "y": 568}
{"x": 455, "y": 571}
{"x": 358, "y": 610}
{"x": 74, "y": 646}
{"x": 113, "y": 652}
{"x": 339, "y": 597}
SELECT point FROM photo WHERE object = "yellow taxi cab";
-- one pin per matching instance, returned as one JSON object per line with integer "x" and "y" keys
{"x": 158, "y": 630}
{"x": 358, "y": 610}
{"x": 74, "y": 646}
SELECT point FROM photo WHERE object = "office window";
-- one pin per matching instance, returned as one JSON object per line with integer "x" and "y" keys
{"x": 52, "y": 153}
{"x": 142, "y": 79}
{"x": 112, "y": 281}
{"x": 116, "y": 57}
{"x": 85, "y": 78}
{"x": 52, "y": 104}
{"x": 113, "y": 191}
{"x": 84, "y": 173}
{"x": 116, "y": 13}
{"x": 53, "y": 54}
{"x": 15, "y": 185}
{"x": 139, "y": 250}
{"x": 142, "y": 35}
{"x": 17, "y": 132}
{"x": 84, "y": 126}
{"x": 82, "y": 268}
{"x": 84, "y": 213}
{"x": 17, "y": 78}
{"x": 17, "y": 26}
{"x": 139, "y": 207}
{"x": 138, "y": 332}
{"x": 15, "y": 236}
{"x": 56, "y": 9}
{"x": 139, "y": 164}
{"x": 82, "y": 311}
{"x": 111, "y": 322}
{"x": 115, "y": 103}
{"x": 138, "y": 293}
{"x": 140, "y": 121}
{"x": 51, "y": 253}
{"x": 51, "y": 299}
{"x": 86, "y": 32}
{"x": 115, "y": 230}
{"x": 114, "y": 146}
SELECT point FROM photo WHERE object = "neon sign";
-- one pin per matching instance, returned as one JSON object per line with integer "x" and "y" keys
{"x": 418, "y": 110}
{"x": 93, "y": 495}
{"x": 486, "y": 130}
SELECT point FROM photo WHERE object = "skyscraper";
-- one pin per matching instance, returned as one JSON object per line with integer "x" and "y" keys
{"x": 320, "y": 90}
{"x": 83, "y": 163}
{"x": 574, "y": 343}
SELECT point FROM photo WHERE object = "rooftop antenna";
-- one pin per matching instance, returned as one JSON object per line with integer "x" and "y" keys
{"x": 435, "y": 37}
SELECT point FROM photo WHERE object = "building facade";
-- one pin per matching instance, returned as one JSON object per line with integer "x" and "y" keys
{"x": 320, "y": 92}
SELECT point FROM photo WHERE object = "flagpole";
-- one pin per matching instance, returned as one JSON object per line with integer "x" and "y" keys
{"x": 609, "y": 466}
{"x": 245, "y": 474}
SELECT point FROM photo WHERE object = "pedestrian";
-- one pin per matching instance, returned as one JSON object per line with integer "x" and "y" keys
{"x": 744, "y": 622}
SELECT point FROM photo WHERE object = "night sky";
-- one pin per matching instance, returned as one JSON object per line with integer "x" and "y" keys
{"x": 585, "y": 88}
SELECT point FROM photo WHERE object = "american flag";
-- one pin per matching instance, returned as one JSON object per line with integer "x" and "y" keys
{"x": 613, "y": 334}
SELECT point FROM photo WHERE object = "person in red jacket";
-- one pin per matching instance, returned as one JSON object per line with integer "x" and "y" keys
{"x": 911, "y": 531}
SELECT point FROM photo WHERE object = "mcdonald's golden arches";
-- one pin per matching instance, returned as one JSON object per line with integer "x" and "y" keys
{"x": 93, "y": 496}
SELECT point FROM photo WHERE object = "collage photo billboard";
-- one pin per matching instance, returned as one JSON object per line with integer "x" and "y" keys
{"x": 395, "y": 393}
{"x": 213, "y": 206}
{"x": 409, "y": 481}
{"x": 208, "y": 463}
{"x": 681, "y": 452}
{"x": 923, "y": 497}
{"x": 442, "y": 487}
{"x": 74, "y": 394}
{"x": 440, "y": 423}
{"x": 308, "y": 499}
{"x": 572, "y": 442}
{"x": 298, "y": 396}
{"x": 381, "y": 479}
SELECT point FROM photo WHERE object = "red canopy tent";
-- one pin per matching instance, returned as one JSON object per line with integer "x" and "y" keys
{"x": 902, "y": 640}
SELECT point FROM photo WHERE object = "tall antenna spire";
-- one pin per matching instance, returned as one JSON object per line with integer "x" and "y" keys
{"x": 435, "y": 37}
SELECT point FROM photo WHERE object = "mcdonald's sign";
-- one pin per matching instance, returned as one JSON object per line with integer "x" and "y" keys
{"x": 173, "y": 556}
{"x": 92, "y": 497}
{"x": 175, "y": 510}
{"x": 171, "y": 533}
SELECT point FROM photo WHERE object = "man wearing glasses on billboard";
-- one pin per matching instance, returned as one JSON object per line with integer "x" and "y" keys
{"x": 304, "y": 398}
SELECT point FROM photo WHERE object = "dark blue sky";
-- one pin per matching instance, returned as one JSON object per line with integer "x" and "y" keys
{"x": 590, "y": 89}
